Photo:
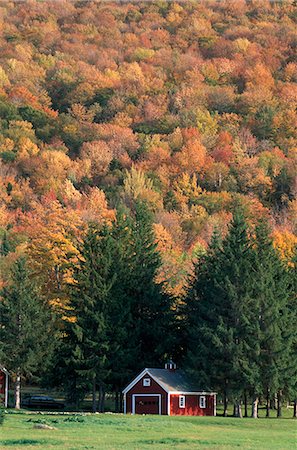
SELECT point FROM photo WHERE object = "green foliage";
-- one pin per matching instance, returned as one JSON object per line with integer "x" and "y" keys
{"x": 88, "y": 329}
{"x": 8, "y": 157}
{"x": 26, "y": 332}
{"x": 240, "y": 319}
{"x": 120, "y": 322}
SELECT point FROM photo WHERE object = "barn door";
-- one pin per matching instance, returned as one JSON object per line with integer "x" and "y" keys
{"x": 147, "y": 404}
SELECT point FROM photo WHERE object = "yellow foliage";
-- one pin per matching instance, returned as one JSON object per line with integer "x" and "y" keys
{"x": 285, "y": 242}
{"x": 27, "y": 148}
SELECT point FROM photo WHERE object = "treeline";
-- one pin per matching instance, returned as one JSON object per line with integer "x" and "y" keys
{"x": 234, "y": 331}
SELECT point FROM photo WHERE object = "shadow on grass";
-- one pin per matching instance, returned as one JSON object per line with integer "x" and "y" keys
{"x": 168, "y": 441}
{"x": 43, "y": 442}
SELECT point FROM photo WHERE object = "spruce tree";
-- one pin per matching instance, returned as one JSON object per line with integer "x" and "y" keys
{"x": 275, "y": 316}
{"x": 88, "y": 331}
{"x": 220, "y": 319}
{"x": 121, "y": 316}
{"x": 201, "y": 316}
{"x": 123, "y": 352}
{"x": 291, "y": 375}
{"x": 150, "y": 306}
{"x": 26, "y": 332}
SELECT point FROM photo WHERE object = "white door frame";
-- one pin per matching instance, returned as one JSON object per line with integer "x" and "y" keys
{"x": 146, "y": 395}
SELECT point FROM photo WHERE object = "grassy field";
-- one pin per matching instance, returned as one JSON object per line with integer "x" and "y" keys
{"x": 115, "y": 431}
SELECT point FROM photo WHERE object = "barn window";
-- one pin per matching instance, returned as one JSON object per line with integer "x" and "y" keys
{"x": 146, "y": 382}
{"x": 202, "y": 401}
{"x": 182, "y": 401}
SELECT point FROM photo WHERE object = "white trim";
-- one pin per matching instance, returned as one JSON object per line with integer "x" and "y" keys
{"x": 146, "y": 371}
{"x": 182, "y": 401}
{"x": 147, "y": 395}
{"x": 168, "y": 404}
{"x": 214, "y": 405}
{"x": 4, "y": 370}
{"x": 191, "y": 393}
{"x": 6, "y": 390}
{"x": 133, "y": 382}
{"x": 202, "y": 401}
{"x": 138, "y": 378}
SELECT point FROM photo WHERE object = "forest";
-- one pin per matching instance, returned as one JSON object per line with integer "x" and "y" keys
{"x": 148, "y": 160}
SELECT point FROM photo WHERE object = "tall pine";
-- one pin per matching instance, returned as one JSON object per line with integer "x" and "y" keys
{"x": 219, "y": 314}
{"x": 275, "y": 315}
{"x": 26, "y": 332}
{"x": 88, "y": 331}
{"x": 150, "y": 306}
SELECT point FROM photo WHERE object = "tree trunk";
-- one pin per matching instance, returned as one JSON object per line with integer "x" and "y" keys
{"x": 121, "y": 402}
{"x": 267, "y": 403}
{"x": 255, "y": 408}
{"x": 117, "y": 398}
{"x": 225, "y": 414}
{"x": 275, "y": 401}
{"x": 94, "y": 405}
{"x": 234, "y": 410}
{"x": 279, "y": 403}
{"x": 238, "y": 409}
{"x": 101, "y": 400}
{"x": 245, "y": 405}
{"x": 295, "y": 409}
{"x": 17, "y": 390}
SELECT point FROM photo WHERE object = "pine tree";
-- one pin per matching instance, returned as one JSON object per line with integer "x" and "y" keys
{"x": 291, "y": 375}
{"x": 88, "y": 331}
{"x": 200, "y": 315}
{"x": 26, "y": 332}
{"x": 275, "y": 316}
{"x": 150, "y": 307}
{"x": 123, "y": 352}
{"x": 220, "y": 309}
{"x": 121, "y": 316}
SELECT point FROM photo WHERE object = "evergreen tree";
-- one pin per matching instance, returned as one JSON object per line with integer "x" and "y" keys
{"x": 121, "y": 316}
{"x": 87, "y": 333}
{"x": 26, "y": 327}
{"x": 219, "y": 312}
{"x": 123, "y": 352}
{"x": 139, "y": 312}
{"x": 151, "y": 331}
{"x": 291, "y": 375}
{"x": 275, "y": 315}
{"x": 201, "y": 320}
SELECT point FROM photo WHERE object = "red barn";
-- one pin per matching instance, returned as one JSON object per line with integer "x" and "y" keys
{"x": 3, "y": 386}
{"x": 167, "y": 391}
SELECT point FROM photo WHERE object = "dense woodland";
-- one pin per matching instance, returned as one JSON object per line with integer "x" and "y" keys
{"x": 148, "y": 158}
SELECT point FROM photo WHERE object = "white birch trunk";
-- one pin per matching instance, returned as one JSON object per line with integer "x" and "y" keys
{"x": 17, "y": 390}
{"x": 255, "y": 408}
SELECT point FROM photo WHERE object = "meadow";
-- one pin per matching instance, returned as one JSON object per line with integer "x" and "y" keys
{"x": 116, "y": 431}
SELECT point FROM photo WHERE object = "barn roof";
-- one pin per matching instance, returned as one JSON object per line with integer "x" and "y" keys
{"x": 169, "y": 380}
{"x": 174, "y": 380}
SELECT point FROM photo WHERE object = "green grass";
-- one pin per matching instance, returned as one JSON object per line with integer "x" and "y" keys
{"x": 116, "y": 431}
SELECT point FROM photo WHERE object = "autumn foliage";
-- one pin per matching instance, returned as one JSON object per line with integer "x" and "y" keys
{"x": 190, "y": 107}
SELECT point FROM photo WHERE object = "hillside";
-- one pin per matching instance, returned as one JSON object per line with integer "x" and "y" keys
{"x": 190, "y": 107}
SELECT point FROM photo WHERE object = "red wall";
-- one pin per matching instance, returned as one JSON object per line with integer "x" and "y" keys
{"x": 2, "y": 386}
{"x": 154, "y": 388}
{"x": 192, "y": 406}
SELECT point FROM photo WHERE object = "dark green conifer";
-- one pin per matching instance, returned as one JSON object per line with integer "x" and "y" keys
{"x": 88, "y": 331}
{"x": 220, "y": 299}
{"x": 274, "y": 314}
{"x": 26, "y": 332}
